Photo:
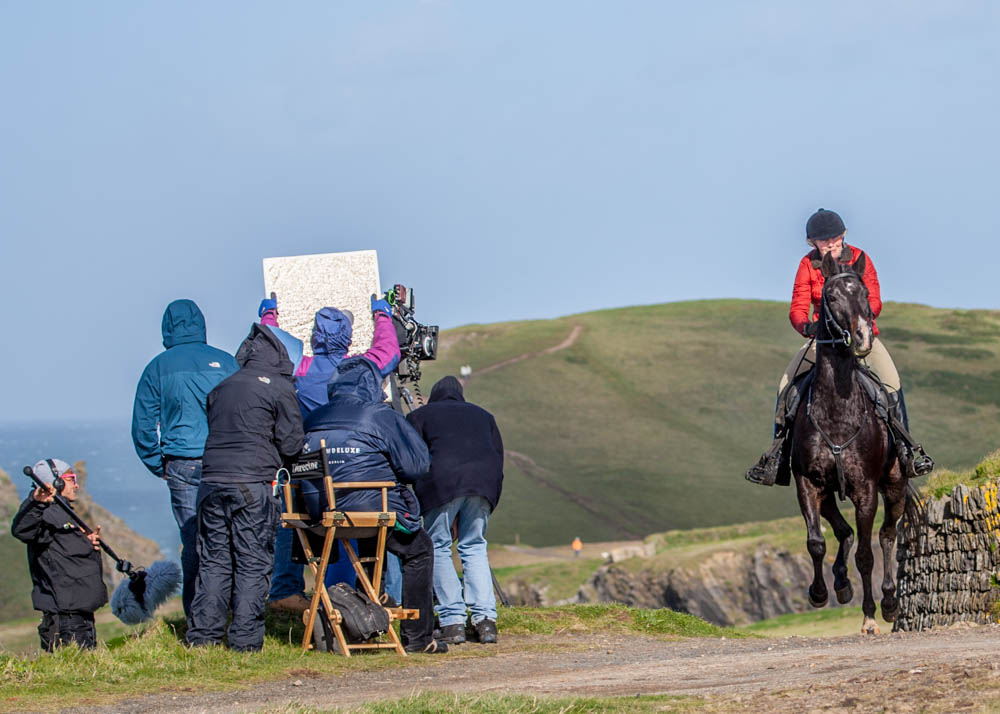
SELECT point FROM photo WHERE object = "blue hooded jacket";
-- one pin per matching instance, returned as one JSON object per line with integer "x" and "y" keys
{"x": 367, "y": 441}
{"x": 331, "y": 337}
{"x": 168, "y": 416}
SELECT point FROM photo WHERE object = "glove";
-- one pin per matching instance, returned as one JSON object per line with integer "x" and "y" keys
{"x": 265, "y": 305}
{"x": 381, "y": 306}
{"x": 810, "y": 329}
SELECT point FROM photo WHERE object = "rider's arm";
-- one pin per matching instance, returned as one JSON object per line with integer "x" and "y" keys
{"x": 798, "y": 313}
{"x": 870, "y": 279}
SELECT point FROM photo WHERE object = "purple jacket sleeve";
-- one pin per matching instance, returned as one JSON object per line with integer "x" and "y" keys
{"x": 384, "y": 352}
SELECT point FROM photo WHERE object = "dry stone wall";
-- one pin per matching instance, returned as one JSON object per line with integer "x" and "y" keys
{"x": 949, "y": 561}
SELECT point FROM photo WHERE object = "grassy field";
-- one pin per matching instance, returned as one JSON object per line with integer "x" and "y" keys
{"x": 433, "y": 703}
{"x": 647, "y": 422}
{"x": 828, "y": 622}
{"x": 154, "y": 658}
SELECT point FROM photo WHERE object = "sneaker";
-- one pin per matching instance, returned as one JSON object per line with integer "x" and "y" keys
{"x": 452, "y": 634}
{"x": 293, "y": 603}
{"x": 486, "y": 631}
{"x": 433, "y": 647}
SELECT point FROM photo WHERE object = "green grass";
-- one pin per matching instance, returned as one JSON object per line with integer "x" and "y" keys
{"x": 15, "y": 586}
{"x": 942, "y": 482}
{"x": 561, "y": 578}
{"x": 154, "y": 659}
{"x": 826, "y": 622}
{"x": 649, "y": 420}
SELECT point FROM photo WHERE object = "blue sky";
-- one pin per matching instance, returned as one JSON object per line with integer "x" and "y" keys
{"x": 510, "y": 160}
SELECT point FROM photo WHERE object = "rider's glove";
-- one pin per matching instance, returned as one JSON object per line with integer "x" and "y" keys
{"x": 810, "y": 329}
{"x": 381, "y": 306}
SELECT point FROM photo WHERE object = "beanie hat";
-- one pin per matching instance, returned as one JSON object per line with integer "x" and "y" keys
{"x": 824, "y": 224}
{"x": 44, "y": 473}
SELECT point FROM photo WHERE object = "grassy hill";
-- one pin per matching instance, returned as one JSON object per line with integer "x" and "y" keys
{"x": 648, "y": 420}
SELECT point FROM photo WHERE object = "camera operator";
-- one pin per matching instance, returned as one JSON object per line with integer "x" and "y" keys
{"x": 367, "y": 441}
{"x": 460, "y": 492}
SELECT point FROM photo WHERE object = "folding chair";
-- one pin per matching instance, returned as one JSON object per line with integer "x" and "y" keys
{"x": 341, "y": 526}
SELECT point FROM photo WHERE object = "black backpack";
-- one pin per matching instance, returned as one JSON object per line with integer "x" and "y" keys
{"x": 362, "y": 618}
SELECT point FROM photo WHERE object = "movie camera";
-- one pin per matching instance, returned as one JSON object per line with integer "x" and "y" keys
{"x": 417, "y": 342}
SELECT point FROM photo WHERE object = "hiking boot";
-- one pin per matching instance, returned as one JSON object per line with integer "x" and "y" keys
{"x": 765, "y": 471}
{"x": 913, "y": 460}
{"x": 293, "y": 603}
{"x": 486, "y": 631}
{"x": 433, "y": 647}
{"x": 451, "y": 634}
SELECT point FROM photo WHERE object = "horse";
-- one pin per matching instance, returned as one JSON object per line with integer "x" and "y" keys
{"x": 841, "y": 447}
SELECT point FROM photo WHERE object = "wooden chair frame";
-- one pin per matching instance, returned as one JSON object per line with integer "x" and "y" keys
{"x": 341, "y": 526}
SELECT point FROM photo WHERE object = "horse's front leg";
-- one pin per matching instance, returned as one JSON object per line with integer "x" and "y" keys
{"x": 865, "y": 505}
{"x": 894, "y": 499}
{"x": 845, "y": 536}
{"x": 809, "y": 503}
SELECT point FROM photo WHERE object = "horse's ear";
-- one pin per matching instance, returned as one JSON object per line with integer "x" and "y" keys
{"x": 860, "y": 264}
{"x": 829, "y": 266}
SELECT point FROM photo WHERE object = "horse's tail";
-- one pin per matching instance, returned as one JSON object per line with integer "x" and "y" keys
{"x": 914, "y": 513}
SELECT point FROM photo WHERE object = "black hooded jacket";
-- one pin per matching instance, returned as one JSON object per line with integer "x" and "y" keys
{"x": 465, "y": 445}
{"x": 254, "y": 422}
{"x": 65, "y": 568}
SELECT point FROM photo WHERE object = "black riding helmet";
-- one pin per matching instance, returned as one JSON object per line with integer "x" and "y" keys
{"x": 824, "y": 224}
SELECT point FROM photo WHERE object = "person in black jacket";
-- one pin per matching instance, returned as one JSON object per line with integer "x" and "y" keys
{"x": 461, "y": 491}
{"x": 367, "y": 441}
{"x": 254, "y": 427}
{"x": 65, "y": 563}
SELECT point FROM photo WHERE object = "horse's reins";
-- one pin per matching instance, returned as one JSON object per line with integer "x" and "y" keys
{"x": 844, "y": 339}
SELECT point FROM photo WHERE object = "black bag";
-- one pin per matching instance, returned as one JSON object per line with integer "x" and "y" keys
{"x": 362, "y": 618}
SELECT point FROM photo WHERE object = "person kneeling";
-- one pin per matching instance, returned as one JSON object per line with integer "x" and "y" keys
{"x": 65, "y": 562}
{"x": 367, "y": 441}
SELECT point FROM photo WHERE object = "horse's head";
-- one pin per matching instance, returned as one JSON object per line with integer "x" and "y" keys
{"x": 845, "y": 314}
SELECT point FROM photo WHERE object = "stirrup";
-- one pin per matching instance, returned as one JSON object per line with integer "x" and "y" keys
{"x": 764, "y": 472}
{"x": 922, "y": 463}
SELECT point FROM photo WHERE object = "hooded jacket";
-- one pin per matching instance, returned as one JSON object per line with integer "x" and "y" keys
{"x": 65, "y": 569}
{"x": 465, "y": 447}
{"x": 367, "y": 441}
{"x": 173, "y": 387}
{"x": 254, "y": 424}
{"x": 807, "y": 292}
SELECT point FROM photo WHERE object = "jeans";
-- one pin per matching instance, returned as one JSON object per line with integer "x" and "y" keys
{"x": 287, "y": 579}
{"x": 61, "y": 629}
{"x": 236, "y": 528}
{"x": 183, "y": 477}
{"x": 472, "y": 513}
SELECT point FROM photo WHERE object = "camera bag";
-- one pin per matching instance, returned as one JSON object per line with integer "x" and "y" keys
{"x": 362, "y": 618}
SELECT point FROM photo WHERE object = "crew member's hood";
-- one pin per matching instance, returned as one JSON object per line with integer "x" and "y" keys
{"x": 447, "y": 388}
{"x": 263, "y": 350}
{"x": 182, "y": 323}
{"x": 332, "y": 333}
{"x": 358, "y": 377}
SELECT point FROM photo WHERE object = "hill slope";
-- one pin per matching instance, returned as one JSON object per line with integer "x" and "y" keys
{"x": 647, "y": 419}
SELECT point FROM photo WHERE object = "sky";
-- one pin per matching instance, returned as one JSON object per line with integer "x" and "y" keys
{"x": 510, "y": 160}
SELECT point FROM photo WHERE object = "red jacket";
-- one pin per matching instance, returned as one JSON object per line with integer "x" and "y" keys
{"x": 808, "y": 288}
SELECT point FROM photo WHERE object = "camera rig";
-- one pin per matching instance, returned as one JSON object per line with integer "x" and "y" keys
{"x": 417, "y": 342}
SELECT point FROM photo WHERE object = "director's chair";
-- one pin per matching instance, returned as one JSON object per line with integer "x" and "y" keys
{"x": 334, "y": 525}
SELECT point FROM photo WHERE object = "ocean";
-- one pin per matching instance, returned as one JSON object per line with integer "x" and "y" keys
{"x": 115, "y": 477}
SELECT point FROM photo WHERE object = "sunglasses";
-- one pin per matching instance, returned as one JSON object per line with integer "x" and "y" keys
{"x": 69, "y": 477}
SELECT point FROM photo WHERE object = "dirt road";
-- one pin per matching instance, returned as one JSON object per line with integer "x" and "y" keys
{"x": 955, "y": 669}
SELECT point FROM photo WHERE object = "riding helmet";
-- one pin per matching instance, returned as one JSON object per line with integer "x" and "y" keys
{"x": 824, "y": 224}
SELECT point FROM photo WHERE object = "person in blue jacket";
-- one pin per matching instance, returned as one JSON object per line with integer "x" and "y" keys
{"x": 367, "y": 441}
{"x": 169, "y": 426}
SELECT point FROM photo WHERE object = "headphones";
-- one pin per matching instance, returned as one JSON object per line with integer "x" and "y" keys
{"x": 57, "y": 481}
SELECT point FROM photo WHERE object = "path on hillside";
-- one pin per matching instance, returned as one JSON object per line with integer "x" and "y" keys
{"x": 574, "y": 334}
{"x": 944, "y": 670}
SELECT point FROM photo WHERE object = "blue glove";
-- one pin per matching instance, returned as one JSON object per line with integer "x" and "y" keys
{"x": 381, "y": 306}
{"x": 265, "y": 305}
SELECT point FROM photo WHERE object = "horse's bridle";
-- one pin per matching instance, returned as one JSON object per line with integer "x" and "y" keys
{"x": 829, "y": 319}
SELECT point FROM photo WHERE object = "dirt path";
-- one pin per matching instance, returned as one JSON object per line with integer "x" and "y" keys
{"x": 946, "y": 670}
{"x": 574, "y": 334}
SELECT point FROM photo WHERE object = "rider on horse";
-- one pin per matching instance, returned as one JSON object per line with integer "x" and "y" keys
{"x": 825, "y": 232}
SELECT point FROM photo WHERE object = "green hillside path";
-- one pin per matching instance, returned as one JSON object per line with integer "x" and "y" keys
{"x": 941, "y": 670}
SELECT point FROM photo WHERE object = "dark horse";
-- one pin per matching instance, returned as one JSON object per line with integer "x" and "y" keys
{"x": 841, "y": 446}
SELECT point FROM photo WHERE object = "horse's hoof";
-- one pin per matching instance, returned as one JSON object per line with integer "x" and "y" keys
{"x": 890, "y": 609}
{"x": 845, "y": 594}
{"x": 818, "y": 601}
{"x": 869, "y": 627}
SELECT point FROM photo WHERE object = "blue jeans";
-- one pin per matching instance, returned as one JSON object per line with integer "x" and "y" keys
{"x": 183, "y": 477}
{"x": 472, "y": 514}
{"x": 287, "y": 579}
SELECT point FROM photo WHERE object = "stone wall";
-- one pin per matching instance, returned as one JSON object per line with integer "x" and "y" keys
{"x": 949, "y": 560}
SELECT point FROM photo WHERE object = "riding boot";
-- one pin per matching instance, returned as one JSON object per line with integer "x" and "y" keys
{"x": 913, "y": 460}
{"x": 765, "y": 471}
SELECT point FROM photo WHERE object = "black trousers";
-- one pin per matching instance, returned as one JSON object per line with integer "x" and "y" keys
{"x": 236, "y": 529}
{"x": 416, "y": 554}
{"x": 65, "y": 628}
